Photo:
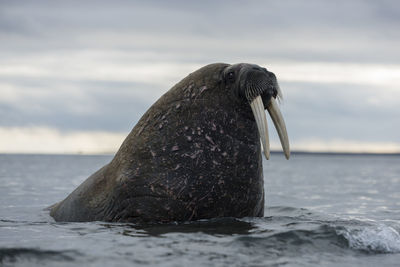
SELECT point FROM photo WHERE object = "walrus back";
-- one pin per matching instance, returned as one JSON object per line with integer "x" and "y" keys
{"x": 85, "y": 202}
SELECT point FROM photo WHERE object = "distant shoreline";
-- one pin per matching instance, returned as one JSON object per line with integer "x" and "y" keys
{"x": 329, "y": 153}
{"x": 299, "y": 152}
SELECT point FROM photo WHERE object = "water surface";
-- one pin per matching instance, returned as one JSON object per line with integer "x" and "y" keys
{"x": 321, "y": 210}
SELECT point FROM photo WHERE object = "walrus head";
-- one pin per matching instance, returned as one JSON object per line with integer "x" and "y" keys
{"x": 259, "y": 88}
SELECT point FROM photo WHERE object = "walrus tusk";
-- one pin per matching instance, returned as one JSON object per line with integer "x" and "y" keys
{"x": 280, "y": 126}
{"x": 257, "y": 107}
{"x": 258, "y": 110}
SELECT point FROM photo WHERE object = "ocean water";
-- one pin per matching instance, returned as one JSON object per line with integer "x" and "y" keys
{"x": 321, "y": 210}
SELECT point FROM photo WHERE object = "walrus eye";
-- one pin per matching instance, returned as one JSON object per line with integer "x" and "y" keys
{"x": 231, "y": 76}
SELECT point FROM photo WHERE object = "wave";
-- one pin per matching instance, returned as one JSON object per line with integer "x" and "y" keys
{"x": 9, "y": 255}
{"x": 376, "y": 238}
{"x": 286, "y": 232}
{"x": 305, "y": 226}
{"x": 290, "y": 228}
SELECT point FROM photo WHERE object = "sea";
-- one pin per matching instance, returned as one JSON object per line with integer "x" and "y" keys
{"x": 320, "y": 210}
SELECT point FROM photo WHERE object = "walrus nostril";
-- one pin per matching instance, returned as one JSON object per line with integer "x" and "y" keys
{"x": 257, "y": 68}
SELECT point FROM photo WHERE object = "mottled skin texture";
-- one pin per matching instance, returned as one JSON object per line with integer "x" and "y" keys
{"x": 194, "y": 154}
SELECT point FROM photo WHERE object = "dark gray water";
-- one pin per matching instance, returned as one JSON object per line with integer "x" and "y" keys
{"x": 321, "y": 210}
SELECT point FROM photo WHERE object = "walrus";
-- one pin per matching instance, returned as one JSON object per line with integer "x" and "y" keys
{"x": 195, "y": 154}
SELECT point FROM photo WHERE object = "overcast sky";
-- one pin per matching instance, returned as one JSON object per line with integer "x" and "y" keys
{"x": 76, "y": 76}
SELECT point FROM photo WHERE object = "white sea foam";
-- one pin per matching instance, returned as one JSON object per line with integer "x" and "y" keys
{"x": 378, "y": 238}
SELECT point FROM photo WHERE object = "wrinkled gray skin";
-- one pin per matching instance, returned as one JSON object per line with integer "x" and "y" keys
{"x": 195, "y": 154}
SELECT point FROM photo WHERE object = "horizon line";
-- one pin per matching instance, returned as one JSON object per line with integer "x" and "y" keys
{"x": 299, "y": 152}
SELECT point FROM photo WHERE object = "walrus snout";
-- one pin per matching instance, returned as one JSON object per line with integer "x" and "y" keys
{"x": 251, "y": 80}
{"x": 260, "y": 89}
{"x": 259, "y": 84}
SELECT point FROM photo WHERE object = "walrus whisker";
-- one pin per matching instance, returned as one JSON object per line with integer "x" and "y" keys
{"x": 257, "y": 107}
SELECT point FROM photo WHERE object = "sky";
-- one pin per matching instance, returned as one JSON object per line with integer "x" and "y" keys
{"x": 76, "y": 76}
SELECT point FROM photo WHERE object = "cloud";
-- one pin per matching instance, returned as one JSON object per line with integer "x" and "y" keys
{"x": 75, "y": 67}
{"x": 386, "y": 76}
{"x": 99, "y": 65}
{"x": 125, "y": 66}
{"x": 48, "y": 140}
{"x": 74, "y": 105}
{"x": 345, "y": 146}
{"x": 52, "y": 141}
{"x": 322, "y": 99}
{"x": 296, "y": 30}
